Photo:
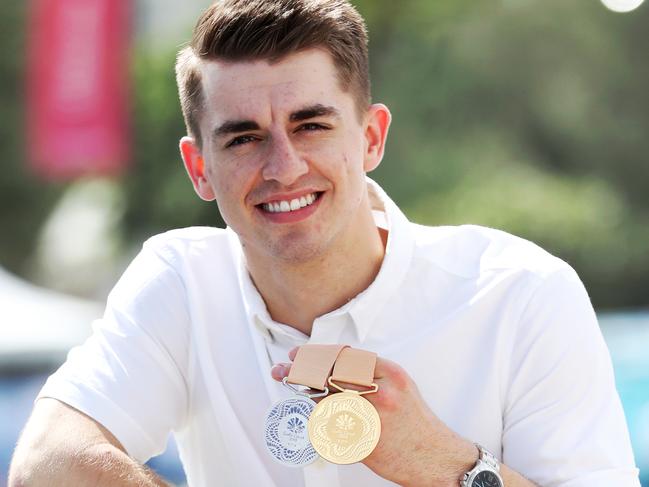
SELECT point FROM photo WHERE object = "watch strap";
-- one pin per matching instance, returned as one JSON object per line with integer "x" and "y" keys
{"x": 487, "y": 457}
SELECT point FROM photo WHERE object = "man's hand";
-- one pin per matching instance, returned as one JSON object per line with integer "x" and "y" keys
{"x": 416, "y": 448}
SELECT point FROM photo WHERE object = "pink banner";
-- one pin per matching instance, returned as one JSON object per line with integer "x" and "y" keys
{"x": 77, "y": 87}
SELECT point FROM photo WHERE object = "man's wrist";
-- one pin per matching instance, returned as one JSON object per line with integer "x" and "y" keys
{"x": 444, "y": 467}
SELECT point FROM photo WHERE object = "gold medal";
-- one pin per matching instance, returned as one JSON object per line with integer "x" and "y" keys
{"x": 344, "y": 428}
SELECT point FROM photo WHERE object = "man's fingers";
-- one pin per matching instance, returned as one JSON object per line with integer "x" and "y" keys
{"x": 279, "y": 371}
{"x": 392, "y": 372}
{"x": 384, "y": 368}
{"x": 293, "y": 353}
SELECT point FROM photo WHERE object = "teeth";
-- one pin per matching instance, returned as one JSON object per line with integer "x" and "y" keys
{"x": 293, "y": 205}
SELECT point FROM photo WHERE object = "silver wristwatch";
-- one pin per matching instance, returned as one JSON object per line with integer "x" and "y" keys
{"x": 486, "y": 472}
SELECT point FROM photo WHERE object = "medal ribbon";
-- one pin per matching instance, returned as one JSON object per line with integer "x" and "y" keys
{"x": 313, "y": 363}
{"x": 355, "y": 366}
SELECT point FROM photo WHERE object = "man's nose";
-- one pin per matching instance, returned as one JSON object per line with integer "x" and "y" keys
{"x": 283, "y": 163}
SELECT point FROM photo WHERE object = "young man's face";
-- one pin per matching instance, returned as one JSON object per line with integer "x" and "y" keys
{"x": 285, "y": 154}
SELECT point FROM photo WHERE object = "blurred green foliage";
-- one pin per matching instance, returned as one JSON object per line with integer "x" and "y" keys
{"x": 24, "y": 202}
{"x": 530, "y": 116}
{"x": 159, "y": 193}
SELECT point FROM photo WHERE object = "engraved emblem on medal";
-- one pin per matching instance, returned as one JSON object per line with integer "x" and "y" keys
{"x": 344, "y": 428}
{"x": 286, "y": 433}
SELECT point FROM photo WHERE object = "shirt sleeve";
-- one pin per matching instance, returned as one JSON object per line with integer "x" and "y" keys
{"x": 563, "y": 421}
{"x": 130, "y": 375}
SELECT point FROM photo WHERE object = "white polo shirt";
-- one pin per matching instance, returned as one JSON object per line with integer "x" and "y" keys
{"x": 499, "y": 336}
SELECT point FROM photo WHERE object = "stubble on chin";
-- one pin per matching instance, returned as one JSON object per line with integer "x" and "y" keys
{"x": 294, "y": 250}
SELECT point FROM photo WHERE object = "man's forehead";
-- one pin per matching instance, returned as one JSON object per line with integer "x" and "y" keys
{"x": 313, "y": 61}
{"x": 299, "y": 80}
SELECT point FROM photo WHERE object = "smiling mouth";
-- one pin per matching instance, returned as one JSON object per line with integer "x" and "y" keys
{"x": 286, "y": 206}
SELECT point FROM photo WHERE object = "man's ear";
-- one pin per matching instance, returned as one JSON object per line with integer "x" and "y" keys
{"x": 378, "y": 120}
{"x": 195, "y": 166}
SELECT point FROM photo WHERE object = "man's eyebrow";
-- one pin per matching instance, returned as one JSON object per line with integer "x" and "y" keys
{"x": 235, "y": 126}
{"x": 314, "y": 111}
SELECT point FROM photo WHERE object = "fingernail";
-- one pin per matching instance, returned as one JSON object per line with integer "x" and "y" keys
{"x": 280, "y": 369}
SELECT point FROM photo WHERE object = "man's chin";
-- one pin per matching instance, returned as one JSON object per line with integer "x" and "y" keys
{"x": 297, "y": 253}
{"x": 295, "y": 249}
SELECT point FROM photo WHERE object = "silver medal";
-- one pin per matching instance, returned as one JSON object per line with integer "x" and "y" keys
{"x": 286, "y": 432}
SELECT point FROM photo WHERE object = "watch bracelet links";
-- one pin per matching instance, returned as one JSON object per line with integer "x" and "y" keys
{"x": 487, "y": 457}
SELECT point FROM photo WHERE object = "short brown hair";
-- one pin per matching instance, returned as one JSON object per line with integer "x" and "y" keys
{"x": 248, "y": 30}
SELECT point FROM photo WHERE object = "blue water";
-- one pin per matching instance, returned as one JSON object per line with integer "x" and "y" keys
{"x": 627, "y": 335}
{"x": 17, "y": 393}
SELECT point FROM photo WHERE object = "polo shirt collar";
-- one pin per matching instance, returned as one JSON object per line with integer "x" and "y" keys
{"x": 366, "y": 306}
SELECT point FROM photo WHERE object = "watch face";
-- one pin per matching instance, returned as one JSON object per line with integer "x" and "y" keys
{"x": 486, "y": 479}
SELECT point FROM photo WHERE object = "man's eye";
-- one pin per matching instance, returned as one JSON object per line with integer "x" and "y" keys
{"x": 242, "y": 139}
{"x": 312, "y": 126}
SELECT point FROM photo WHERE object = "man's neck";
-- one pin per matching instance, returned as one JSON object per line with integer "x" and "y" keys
{"x": 297, "y": 295}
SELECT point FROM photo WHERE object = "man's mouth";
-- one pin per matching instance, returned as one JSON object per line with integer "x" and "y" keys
{"x": 285, "y": 206}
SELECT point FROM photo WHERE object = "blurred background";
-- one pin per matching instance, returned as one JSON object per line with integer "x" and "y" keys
{"x": 531, "y": 116}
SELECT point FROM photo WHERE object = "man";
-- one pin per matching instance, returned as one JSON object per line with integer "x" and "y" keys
{"x": 483, "y": 338}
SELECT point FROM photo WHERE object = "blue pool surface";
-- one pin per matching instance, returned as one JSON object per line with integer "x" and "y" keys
{"x": 627, "y": 335}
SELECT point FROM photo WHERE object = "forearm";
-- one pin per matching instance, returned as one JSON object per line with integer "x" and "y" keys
{"x": 509, "y": 476}
{"x": 96, "y": 466}
{"x": 451, "y": 462}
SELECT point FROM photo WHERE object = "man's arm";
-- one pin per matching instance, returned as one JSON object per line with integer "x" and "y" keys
{"x": 60, "y": 446}
{"x": 416, "y": 448}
